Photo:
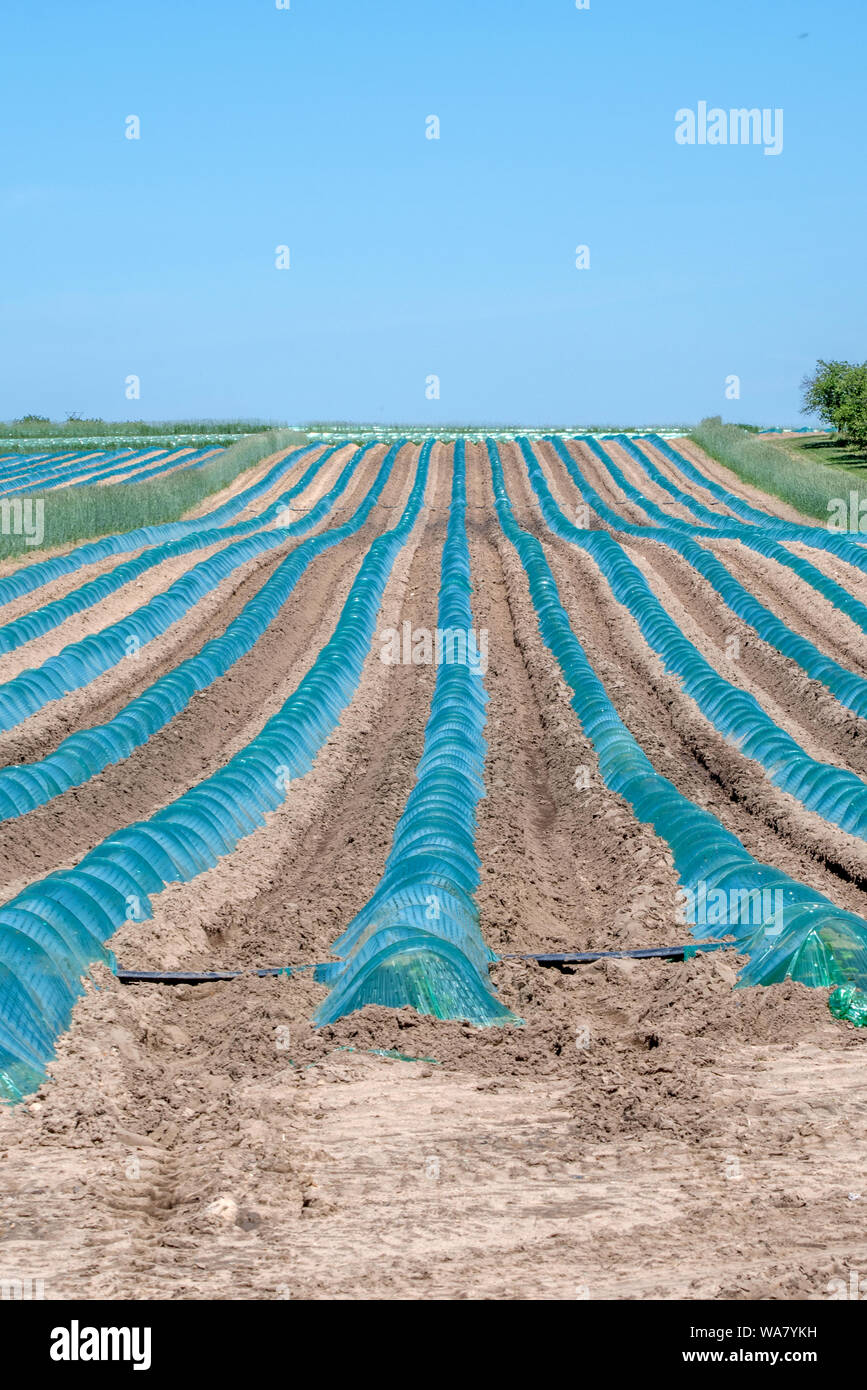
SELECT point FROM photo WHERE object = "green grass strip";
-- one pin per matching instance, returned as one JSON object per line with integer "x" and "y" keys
{"x": 803, "y": 483}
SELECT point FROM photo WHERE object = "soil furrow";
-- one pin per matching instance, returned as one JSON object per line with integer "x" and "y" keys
{"x": 207, "y": 1143}
{"x": 102, "y": 697}
{"x": 555, "y": 844}
{"x": 683, "y": 745}
{"x": 218, "y": 721}
{"x": 824, "y": 727}
{"x": 137, "y": 592}
{"x": 794, "y": 601}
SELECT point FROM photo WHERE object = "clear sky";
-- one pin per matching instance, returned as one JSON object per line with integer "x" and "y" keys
{"x": 412, "y": 257}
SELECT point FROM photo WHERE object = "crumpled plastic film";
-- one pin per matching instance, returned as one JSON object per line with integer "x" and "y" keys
{"x": 849, "y": 1003}
{"x": 417, "y": 940}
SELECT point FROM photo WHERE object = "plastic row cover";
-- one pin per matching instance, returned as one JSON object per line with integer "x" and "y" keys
{"x": 86, "y": 752}
{"x": 839, "y": 796}
{"x": 24, "y": 468}
{"x": 750, "y": 536}
{"x": 40, "y": 572}
{"x": 417, "y": 940}
{"x": 98, "y": 470}
{"x": 849, "y": 689}
{"x": 36, "y": 623}
{"x": 40, "y": 620}
{"x": 81, "y": 662}
{"x": 724, "y": 527}
{"x": 52, "y": 931}
{"x": 43, "y": 471}
{"x": 848, "y": 547}
{"x": 152, "y": 468}
{"x": 15, "y": 462}
{"x": 704, "y": 514}
{"x": 806, "y": 937}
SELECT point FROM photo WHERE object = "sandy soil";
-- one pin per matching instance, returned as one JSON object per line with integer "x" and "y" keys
{"x": 138, "y": 591}
{"x": 103, "y": 696}
{"x": 825, "y": 728}
{"x": 218, "y": 720}
{"x": 649, "y": 1132}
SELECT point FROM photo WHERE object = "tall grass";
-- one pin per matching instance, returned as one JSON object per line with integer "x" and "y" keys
{"x": 109, "y": 444}
{"x": 84, "y": 513}
{"x": 806, "y": 485}
{"x": 36, "y": 427}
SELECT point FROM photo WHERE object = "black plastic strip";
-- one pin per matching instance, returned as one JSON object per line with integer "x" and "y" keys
{"x": 642, "y": 953}
{"x": 208, "y": 977}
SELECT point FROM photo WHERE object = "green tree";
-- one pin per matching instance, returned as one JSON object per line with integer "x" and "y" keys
{"x": 837, "y": 392}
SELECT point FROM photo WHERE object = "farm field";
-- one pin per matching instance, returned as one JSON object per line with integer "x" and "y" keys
{"x": 227, "y": 744}
{"x": 45, "y": 472}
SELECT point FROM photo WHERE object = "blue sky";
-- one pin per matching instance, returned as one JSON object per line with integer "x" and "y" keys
{"x": 412, "y": 257}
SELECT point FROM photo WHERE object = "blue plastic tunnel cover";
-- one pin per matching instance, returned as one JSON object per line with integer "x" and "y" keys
{"x": 804, "y": 936}
{"x": 88, "y": 751}
{"x": 417, "y": 941}
{"x": 53, "y": 931}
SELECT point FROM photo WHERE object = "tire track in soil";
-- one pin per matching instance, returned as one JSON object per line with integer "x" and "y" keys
{"x": 181, "y": 1153}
